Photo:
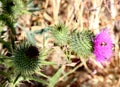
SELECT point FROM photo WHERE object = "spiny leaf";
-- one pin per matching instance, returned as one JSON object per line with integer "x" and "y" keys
{"x": 9, "y": 21}
{"x": 38, "y": 80}
{"x": 54, "y": 79}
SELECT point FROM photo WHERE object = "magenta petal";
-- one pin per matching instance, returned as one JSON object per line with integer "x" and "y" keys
{"x": 103, "y": 46}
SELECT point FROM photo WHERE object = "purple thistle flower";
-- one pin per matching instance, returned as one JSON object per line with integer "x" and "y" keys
{"x": 103, "y": 46}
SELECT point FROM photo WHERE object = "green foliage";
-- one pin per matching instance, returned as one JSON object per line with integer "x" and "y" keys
{"x": 54, "y": 79}
{"x": 60, "y": 34}
{"x": 7, "y": 6}
{"x": 25, "y": 59}
{"x": 8, "y": 11}
{"x": 6, "y": 15}
{"x": 41, "y": 31}
{"x": 10, "y": 8}
{"x": 30, "y": 37}
{"x": 6, "y": 44}
{"x": 8, "y": 20}
{"x": 81, "y": 43}
{"x": 13, "y": 7}
{"x": 5, "y": 74}
{"x": 44, "y": 82}
{"x": 33, "y": 7}
{"x": 19, "y": 8}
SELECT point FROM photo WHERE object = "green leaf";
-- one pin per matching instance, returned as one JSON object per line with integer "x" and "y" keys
{"x": 7, "y": 44}
{"x": 54, "y": 79}
{"x": 38, "y": 80}
{"x": 17, "y": 77}
{"x": 41, "y": 31}
{"x": 41, "y": 74}
{"x": 32, "y": 9}
{"x": 5, "y": 57}
{"x": 19, "y": 8}
{"x": 47, "y": 63}
{"x": 0, "y": 29}
{"x": 29, "y": 1}
{"x": 31, "y": 37}
{"x": 6, "y": 75}
{"x": 9, "y": 21}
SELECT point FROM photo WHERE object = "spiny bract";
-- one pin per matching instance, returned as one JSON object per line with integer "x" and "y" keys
{"x": 60, "y": 34}
{"x": 25, "y": 59}
{"x": 81, "y": 43}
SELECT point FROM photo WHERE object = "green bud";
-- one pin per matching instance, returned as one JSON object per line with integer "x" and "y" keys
{"x": 60, "y": 34}
{"x": 81, "y": 43}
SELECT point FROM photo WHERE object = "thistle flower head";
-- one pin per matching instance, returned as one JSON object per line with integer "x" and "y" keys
{"x": 32, "y": 52}
{"x": 81, "y": 43}
{"x": 25, "y": 59}
{"x": 103, "y": 46}
{"x": 60, "y": 34}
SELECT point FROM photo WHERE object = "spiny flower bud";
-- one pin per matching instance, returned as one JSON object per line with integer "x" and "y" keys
{"x": 25, "y": 59}
{"x": 60, "y": 34}
{"x": 81, "y": 43}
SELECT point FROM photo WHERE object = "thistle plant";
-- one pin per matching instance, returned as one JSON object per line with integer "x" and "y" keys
{"x": 81, "y": 43}
{"x": 8, "y": 12}
{"x": 8, "y": 15}
{"x": 25, "y": 59}
{"x": 60, "y": 34}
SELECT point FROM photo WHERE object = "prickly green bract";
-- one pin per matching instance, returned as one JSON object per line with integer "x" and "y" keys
{"x": 25, "y": 59}
{"x": 60, "y": 34}
{"x": 81, "y": 43}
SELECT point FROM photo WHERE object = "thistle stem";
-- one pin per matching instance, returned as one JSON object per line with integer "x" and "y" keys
{"x": 85, "y": 65}
{"x": 39, "y": 80}
{"x": 71, "y": 71}
{"x": 17, "y": 78}
{"x": 43, "y": 75}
